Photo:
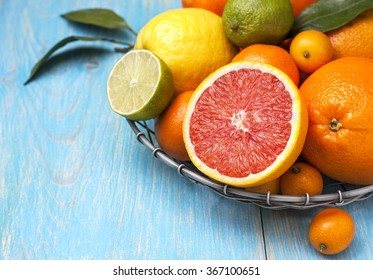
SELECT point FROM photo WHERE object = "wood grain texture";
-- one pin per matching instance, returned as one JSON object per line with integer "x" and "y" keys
{"x": 287, "y": 231}
{"x": 76, "y": 184}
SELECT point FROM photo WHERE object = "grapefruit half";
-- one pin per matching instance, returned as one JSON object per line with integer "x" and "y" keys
{"x": 245, "y": 124}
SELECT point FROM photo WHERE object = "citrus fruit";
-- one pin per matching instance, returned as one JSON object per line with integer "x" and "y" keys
{"x": 272, "y": 187}
{"x": 300, "y": 5}
{"x": 168, "y": 127}
{"x": 139, "y": 86}
{"x": 216, "y": 6}
{"x": 339, "y": 98}
{"x": 310, "y": 50}
{"x": 248, "y": 22}
{"x": 190, "y": 41}
{"x": 274, "y": 55}
{"x": 245, "y": 124}
{"x": 354, "y": 38}
{"x": 300, "y": 179}
{"x": 331, "y": 231}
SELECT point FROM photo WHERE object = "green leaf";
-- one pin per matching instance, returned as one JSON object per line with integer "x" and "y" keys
{"x": 99, "y": 17}
{"x": 326, "y": 15}
{"x": 64, "y": 42}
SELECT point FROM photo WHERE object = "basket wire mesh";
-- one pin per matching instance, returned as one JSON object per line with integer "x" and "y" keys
{"x": 335, "y": 193}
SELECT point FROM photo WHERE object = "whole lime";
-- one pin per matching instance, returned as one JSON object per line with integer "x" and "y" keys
{"x": 248, "y": 22}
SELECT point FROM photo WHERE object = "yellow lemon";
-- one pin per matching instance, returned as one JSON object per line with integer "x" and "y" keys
{"x": 190, "y": 41}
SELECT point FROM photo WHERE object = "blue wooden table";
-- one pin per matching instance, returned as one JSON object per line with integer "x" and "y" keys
{"x": 76, "y": 184}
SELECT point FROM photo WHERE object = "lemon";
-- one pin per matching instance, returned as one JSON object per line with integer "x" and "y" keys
{"x": 248, "y": 22}
{"x": 190, "y": 41}
{"x": 140, "y": 85}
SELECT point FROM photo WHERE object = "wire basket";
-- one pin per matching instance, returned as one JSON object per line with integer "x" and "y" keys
{"x": 334, "y": 194}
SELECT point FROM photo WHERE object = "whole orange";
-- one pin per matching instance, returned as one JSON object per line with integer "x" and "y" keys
{"x": 354, "y": 38}
{"x": 310, "y": 50}
{"x": 168, "y": 127}
{"x": 331, "y": 231}
{"x": 300, "y": 5}
{"x": 300, "y": 179}
{"x": 273, "y": 55}
{"x": 216, "y": 6}
{"x": 339, "y": 98}
{"x": 272, "y": 187}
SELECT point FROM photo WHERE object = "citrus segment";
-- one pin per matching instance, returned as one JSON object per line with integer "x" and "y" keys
{"x": 140, "y": 86}
{"x": 245, "y": 124}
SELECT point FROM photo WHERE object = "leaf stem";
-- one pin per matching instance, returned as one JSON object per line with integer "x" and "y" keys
{"x": 122, "y": 50}
{"x": 64, "y": 42}
{"x": 131, "y": 30}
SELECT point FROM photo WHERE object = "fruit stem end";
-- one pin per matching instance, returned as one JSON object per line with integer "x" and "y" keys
{"x": 335, "y": 125}
{"x": 322, "y": 247}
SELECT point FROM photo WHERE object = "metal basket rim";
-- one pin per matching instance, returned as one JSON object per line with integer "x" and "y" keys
{"x": 272, "y": 201}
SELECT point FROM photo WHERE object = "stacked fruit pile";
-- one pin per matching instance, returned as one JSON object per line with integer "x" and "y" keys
{"x": 250, "y": 102}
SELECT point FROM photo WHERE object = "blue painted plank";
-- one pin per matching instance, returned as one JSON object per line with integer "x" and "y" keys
{"x": 286, "y": 234}
{"x": 75, "y": 183}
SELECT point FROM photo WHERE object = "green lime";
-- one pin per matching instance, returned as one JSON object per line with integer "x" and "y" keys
{"x": 140, "y": 85}
{"x": 248, "y": 22}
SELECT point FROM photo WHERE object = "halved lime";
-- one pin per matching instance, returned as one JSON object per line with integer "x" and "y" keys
{"x": 140, "y": 85}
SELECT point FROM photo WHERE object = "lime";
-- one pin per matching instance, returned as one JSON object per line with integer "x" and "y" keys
{"x": 248, "y": 22}
{"x": 140, "y": 85}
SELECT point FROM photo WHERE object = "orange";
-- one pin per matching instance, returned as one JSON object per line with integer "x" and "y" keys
{"x": 331, "y": 231}
{"x": 216, "y": 6}
{"x": 300, "y": 5}
{"x": 354, "y": 38}
{"x": 300, "y": 179}
{"x": 274, "y": 55}
{"x": 245, "y": 124}
{"x": 272, "y": 187}
{"x": 168, "y": 127}
{"x": 339, "y": 98}
{"x": 311, "y": 49}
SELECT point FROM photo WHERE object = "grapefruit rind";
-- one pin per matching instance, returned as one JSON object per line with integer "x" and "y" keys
{"x": 293, "y": 148}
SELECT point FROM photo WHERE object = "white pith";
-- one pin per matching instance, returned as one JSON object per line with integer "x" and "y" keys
{"x": 237, "y": 120}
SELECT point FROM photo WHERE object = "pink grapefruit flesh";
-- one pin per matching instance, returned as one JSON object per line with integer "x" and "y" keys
{"x": 243, "y": 124}
{"x": 252, "y": 129}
